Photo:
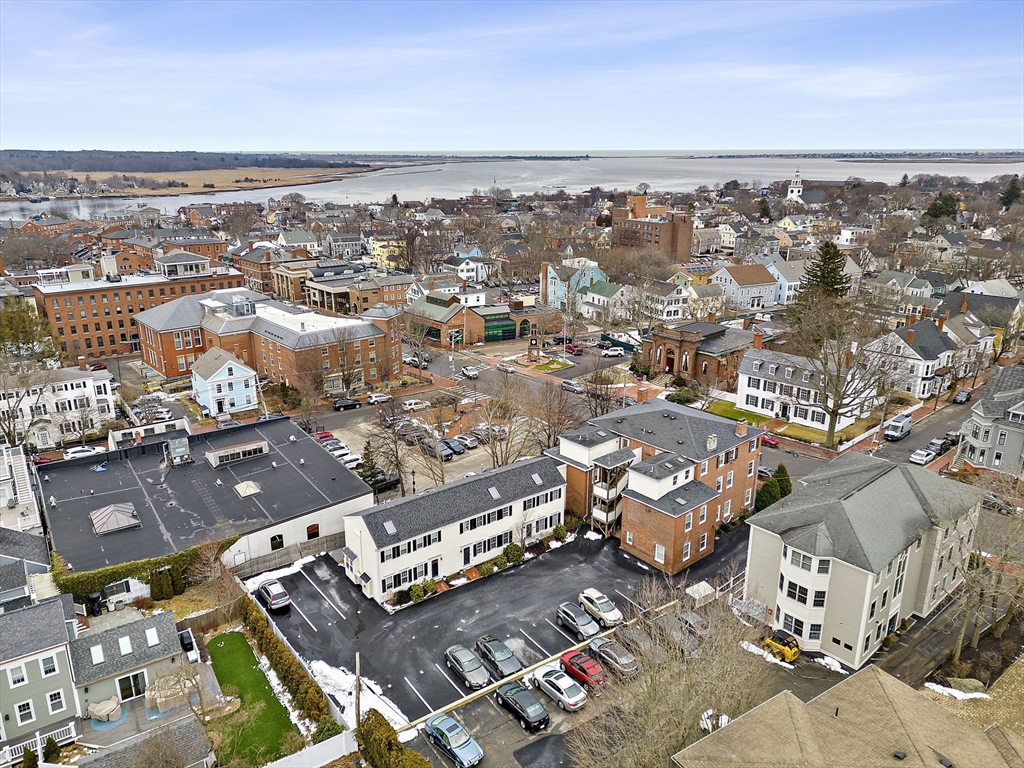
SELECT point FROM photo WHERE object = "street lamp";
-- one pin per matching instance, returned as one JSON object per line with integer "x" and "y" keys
{"x": 414, "y": 482}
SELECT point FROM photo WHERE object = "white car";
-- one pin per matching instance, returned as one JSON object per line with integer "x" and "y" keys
{"x": 378, "y": 398}
{"x": 613, "y": 352}
{"x": 163, "y": 414}
{"x": 922, "y": 456}
{"x": 506, "y": 368}
{"x": 470, "y": 372}
{"x": 600, "y": 607}
{"x": 352, "y": 461}
{"x": 340, "y": 452}
{"x": 410, "y": 406}
{"x": 80, "y": 451}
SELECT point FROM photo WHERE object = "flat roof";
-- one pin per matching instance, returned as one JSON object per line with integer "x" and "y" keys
{"x": 182, "y": 507}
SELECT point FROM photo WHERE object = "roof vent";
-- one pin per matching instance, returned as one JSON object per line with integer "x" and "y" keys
{"x": 900, "y": 755}
{"x": 537, "y": 479}
{"x": 602, "y": 433}
{"x": 494, "y": 492}
{"x": 389, "y": 527}
{"x": 712, "y": 442}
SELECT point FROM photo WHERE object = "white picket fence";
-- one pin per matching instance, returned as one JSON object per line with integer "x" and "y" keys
{"x": 61, "y": 736}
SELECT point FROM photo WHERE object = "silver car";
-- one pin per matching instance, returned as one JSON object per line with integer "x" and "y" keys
{"x": 577, "y": 620}
{"x": 566, "y": 692}
{"x": 614, "y": 656}
{"x": 467, "y": 440}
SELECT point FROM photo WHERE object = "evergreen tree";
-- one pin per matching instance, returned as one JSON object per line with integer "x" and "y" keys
{"x": 154, "y": 585}
{"x": 764, "y": 210}
{"x": 51, "y": 750}
{"x": 1011, "y": 194}
{"x": 177, "y": 580}
{"x": 824, "y": 274}
{"x": 944, "y": 205}
{"x": 905, "y": 181}
{"x": 368, "y": 469}
{"x": 29, "y": 759}
{"x": 781, "y": 475}
{"x": 768, "y": 494}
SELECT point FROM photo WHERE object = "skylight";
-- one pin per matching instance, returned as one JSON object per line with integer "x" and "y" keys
{"x": 602, "y": 433}
{"x": 389, "y": 527}
{"x": 494, "y": 492}
{"x": 537, "y": 479}
{"x": 97, "y": 654}
{"x": 125, "y": 644}
{"x": 151, "y": 637}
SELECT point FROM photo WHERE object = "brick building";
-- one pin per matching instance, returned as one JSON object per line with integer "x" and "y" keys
{"x": 706, "y": 350}
{"x": 663, "y": 475}
{"x": 212, "y": 248}
{"x": 347, "y": 295}
{"x": 95, "y": 317}
{"x": 641, "y": 226}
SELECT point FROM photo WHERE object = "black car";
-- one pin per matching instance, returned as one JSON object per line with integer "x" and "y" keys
{"x": 382, "y": 481}
{"x": 344, "y": 404}
{"x": 467, "y": 665}
{"x": 454, "y": 446}
{"x": 963, "y": 396}
{"x": 436, "y": 450}
{"x": 604, "y": 344}
{"x": 497, "y": 657}
{"x": 562, "y": 340}
{"x": 523, "y": 705}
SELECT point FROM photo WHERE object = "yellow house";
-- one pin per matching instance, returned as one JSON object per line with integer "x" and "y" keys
{"x": 387, "y": 252}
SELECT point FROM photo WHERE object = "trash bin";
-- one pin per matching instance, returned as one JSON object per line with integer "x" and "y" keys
{"x": 96, "y": 603}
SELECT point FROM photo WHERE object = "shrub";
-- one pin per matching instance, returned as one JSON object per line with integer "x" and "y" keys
{"x": 143, "y": 603}
{"x": 573, "y": 523}
{"x": 1008, "y": 649}
{"x": 500, "y": 562}
{"x": 560, "y": 533}
{"x": 416, "y": 592}
{"x": 781, "y": 474}
{"x": 960, "y": 668}
{"x": 51, "y": 750}
{"x": 29, "y": 759}
{"x": 429, "y": 586}
{"x": 402, "y": 597}
{"x": 166, "y": 587}
{"x": 486, "y": 569}
{"x": 888, "y": 641}
{"x": 767, "y": 494}
{"x": 378, "y": 740}
{"x": 177, "y": 580}
{"x": 904, "y": 625}
{"x": 678, "y": 382}
{"x": 514, "y": 553}
{"x": 682, "y": 396}
{"x": 326, "y": 727}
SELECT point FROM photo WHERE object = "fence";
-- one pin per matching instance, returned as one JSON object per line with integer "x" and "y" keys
{"x": 61, "y": 736}
{"x": 289, "y": 555}
{"x": 213, "y": 618}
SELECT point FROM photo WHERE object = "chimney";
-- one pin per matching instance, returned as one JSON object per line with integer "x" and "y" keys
{"x": 81, "y": 362}
{"x": 250, "y": 244}
{"x": 963, "y": 304}
{"x": 910, "y": 337}
{"x": 942, "y": 320}
{"x": 741, "y": 428}
{"x": 302, "y": 326}
{"x": 712, "y": 442}
{"x": 463, "y": 285}
{"x": 758, "y": 342}
{"x": 712, "y": 317}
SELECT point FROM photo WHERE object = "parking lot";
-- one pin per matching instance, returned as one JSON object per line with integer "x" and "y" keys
{"x": 403, "y": 653}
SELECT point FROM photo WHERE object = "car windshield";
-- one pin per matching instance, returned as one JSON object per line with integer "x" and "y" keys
{"x": 604, "y": 605}
{"x": 457, "y": 735}
{"x": 468, "y": 661}
{"x": 500, "y": 652}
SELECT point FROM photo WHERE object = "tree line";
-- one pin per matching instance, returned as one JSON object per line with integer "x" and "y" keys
{"x": 92, "y": 161}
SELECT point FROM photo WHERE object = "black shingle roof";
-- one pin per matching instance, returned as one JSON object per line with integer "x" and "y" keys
{"x": 114, "y": 663}
{"x": 32, "y": 629}
{"x": 24, "y": 546}
{"x": 929, "y": 342}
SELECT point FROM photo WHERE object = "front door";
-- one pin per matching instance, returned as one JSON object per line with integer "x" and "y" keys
{"x": 435, "y": 567}
{"x": 220, "y": 405}
{"x": 465, "y": 556}
{"x": 132, "y": 686}
{"x": 784, "y": 411}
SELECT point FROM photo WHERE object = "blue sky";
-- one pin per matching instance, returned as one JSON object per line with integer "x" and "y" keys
{"x": 464, "y": 76}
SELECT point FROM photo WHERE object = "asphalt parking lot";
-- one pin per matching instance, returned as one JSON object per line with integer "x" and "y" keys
{"x": 403, "y": 653}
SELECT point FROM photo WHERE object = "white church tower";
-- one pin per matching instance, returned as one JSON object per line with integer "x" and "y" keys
{"x": 796, "y": 188}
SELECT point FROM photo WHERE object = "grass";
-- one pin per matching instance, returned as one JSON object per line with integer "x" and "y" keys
{"x": 802, "y": 433}
{"x": 553, "y": 365}
{"x": 730, "y": 411}
{"x": 258, "y": 730}
{"x": 203, "y": 597}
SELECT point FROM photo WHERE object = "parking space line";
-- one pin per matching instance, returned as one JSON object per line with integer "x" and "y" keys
{"x": 429, "y": 708}
{"x": 304, "y": 616}
{"x": 634, "y": 602}
{"x": 326, "y": 599}
{"x": 542, "y": 648}
{"x": 456, "y": 687}
{"x": 571, "y": 639}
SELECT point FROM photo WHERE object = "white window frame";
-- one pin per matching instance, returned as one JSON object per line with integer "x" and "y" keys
{"x": 10, "y": 676}
{"x": 56, "y": 667}
{"x": 659, "y": 553}
{"x": 63, "y": 701}
{"x": 703, "y": 541}
{"x": 31, "y": 711}
{"x": 629, "y": 537}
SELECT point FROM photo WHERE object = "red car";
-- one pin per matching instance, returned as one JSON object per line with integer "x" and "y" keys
{"x": 572, "y": 349}
{"x": 583, "y": 668}
{"x": 97, "y": 367}
{"x": 322, "y": 436}
{"x": 770, "y": 440}
{"x": 41, "y": 460}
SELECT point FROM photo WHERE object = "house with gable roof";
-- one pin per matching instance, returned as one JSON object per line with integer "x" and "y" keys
{"x": 746, "y": 287}
{"x": 993, "y": 435}
{"x": 919, "y": 355}
{"x": 221, "y": 383}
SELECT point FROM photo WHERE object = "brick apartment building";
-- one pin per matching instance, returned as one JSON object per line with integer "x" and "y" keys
{"x": 212, "y": 248}
{"x": 94, "y": 317}
{"x": 347, "y": 295}
{"x": 662, "y": 475}
{"x": 282, "y": 343}
{"x": 638, "y": 225}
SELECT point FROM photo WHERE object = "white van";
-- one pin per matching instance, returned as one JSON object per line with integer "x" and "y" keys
{"x": 898, "y": 428}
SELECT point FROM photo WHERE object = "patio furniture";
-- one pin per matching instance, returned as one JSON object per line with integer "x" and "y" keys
{"x": 165, "y": 693}
{"x": 105, "y": 711}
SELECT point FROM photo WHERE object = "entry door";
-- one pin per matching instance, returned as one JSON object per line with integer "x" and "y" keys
{"x": 465, "y": 555}
{"x": 132, "y": 686}
{"x": 784, "y": 411}
{"x": 435, "y": 567}
{"x": 220, "y": 406}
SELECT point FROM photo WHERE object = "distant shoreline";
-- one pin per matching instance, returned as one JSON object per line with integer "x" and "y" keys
{"x": 876, "y": 157}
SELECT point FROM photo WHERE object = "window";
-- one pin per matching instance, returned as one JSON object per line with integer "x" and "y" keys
{"x": 823, "y": 566}
{"x": 885, "y": 598}
{"x": 25, "y": 713}
{"x": 55, "y": 701}
{"x": 728, "y": 480}
{"x": 747, "y": 495}
{"x": 814, "y": 633}
{"x": 728, "y": 507}
{"x": 703, "y": 468}
{"x": 48, "y": 665}
{"x": 16, "y": 675}
{"x": 867, "y": 642}
{"x": 125, "y": 645}
{"x": 629, "y": 537}
{"x": 312, "y": 531}
{"x": 703, "y": 514}
{"x": 782, "y": 581}
{"x": 795, "y": 592}
{"x": 277, "y": 542}
{"x": 689, "y": 522}
{"x": 718, "y": 485}
{"x": 703, "y": 542}
{"x": 819, "y": 598}
{"x": 871, "y": 614}
{"x": 750, "y": 468}
{"x": 793, "y": 624}
{"x": 686, "y": 551}
{"x": 659, "y": 553}
{"x": 801, "y": 561}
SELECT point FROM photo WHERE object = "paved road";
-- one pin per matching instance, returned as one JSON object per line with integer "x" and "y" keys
{"x": 949, "y": 417}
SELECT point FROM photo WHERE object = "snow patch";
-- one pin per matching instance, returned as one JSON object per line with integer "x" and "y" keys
{"x": 593, "y": 536}
{"x": 458, "y": 582}
{"x": 762, "y": 652}
{"x": 644, "y": 566}
{"x": 959, "y": 695}
{"x": 829, "y": 663}
{"x": 341, "y": 684}
{"x": 305, "y": 726}
{"x": 251, "y": 584}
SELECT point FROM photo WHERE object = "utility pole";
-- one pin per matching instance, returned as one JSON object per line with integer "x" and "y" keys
{"x": 358, "y": 686}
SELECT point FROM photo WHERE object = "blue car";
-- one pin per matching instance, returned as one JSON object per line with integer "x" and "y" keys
{"x": 451, "y": 738}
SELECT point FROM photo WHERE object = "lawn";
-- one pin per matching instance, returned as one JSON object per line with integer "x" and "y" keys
{"x": 730, "y": 411}
{"x": 553, "y": 365}
{"x": 258, "y": 730}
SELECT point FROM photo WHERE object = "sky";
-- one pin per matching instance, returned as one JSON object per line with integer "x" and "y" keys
{"x": 511, "y": 76}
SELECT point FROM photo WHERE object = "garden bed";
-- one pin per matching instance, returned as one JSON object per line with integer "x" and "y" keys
{"x": 992, "y": 657}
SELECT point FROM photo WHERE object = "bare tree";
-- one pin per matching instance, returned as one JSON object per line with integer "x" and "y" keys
{"x": 555, "y": 412}
{"x": 503, "y": 415}
{"x": 310, "y": 384}
{"x": 160, "y": 750}
{"x": 387, "y": 447}
{"x": 350, "y": 370}
{"x": 206, "y": 565}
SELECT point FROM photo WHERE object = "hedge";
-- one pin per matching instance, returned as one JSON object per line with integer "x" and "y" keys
{"x": 380, "y": 747}
{"x": 51, "y": 750}
{"x": 306, "y": 694}
{"x": 81, "y": 584}
{"x": 514, "y": 553}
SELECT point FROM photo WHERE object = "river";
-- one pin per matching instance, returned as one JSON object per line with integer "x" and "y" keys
{"x": 664, "y": 171}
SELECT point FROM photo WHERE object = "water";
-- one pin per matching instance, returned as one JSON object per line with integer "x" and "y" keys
{"x": 665, "y": 171}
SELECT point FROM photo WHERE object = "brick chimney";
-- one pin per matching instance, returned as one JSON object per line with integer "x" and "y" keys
{"x": 712, "y": 317}
{"x": 910, "y": 337}
{"x": 910, "y": 319}
{"x": 741, "y": 428}
{"x": 963, "y": 304}
{"x": 758, "y": 342}
{"x": 463, "y": 285}
{"x": 81, "y": 362}
{"x": 943, "y": 319}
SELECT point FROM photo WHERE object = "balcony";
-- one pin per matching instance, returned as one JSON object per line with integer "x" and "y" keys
{"x": 609, "y": 491}
{"x": 604, "y": 513}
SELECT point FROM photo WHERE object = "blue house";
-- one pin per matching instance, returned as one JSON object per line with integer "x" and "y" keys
{"x": 559, "y": 282}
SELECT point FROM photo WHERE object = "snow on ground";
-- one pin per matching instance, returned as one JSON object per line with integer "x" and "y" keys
{"x": 304, "y": 725}
{"x": 341, "y": 684}
{"x": 458, "y": 582}
{"x": 251, "y": 584}
{"x": 959, "y": 695}
{"x": 555, "y": 543}
{"x": 593, "y": 536}
{"x": 761, "y": 652}
{"x": 829, "y": 663}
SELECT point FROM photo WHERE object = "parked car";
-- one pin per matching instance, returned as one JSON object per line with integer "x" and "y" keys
{"x": 898, "y": 428}
{"x": 379, "y": 397}
{"x": 613, "y": 352}
{"x": 322, "y": 436}
{"x": 939, "y": 444}
{"x": 467, "y": 666}
{"x": 382, "y": 481}
{"x": 431, "y": 447}
{"x": 454, "y": 740}
{"x": 81, "y": 451}
{"x": 273, "y": 595}
{"x": 954, "y": 437}
{"x": 769, "y": 440}
{"x": 672, "y": 630}
{"x": 467, "y": 441}
{"x": 470, "y": 372}
{"x": 414, "y": 362}
{"x": 603, "y": 344}
{"x": 922, "y": 456}
{"x": 562, "y": 340}
{"x": 572, "y": 349}
{"x": 410, "y": 406}
{"x": 163, "y": 414}
{"x": 481, "y": 434}
{"x": 993, "y": 502}
{"x": 340, "y": 452}
{"x": 600, "y": 607}
{"x": 576, "y": 620}
{"x": 353, "y": 460}
{"x": 613, "y": 655}
{"x": 763, "y": 473}
{"x": 269, "y": 417}
{"x": 566, "y": 692}
{"x": 523, "y": 705}
{"x": 228, "y": 424}
{"x": 625, "y": 401}
{"x": 583, "y": 668}
{"x": 496, "y": 656}
{"x": 37, "y": 460}
{"x": 97, "y": 367}
{"x": 574, "y": 386}
{"x": 344, "y": 404}
{"x": 694, "y": 623}
{"x": 963, "y": 396}
{"x": 506, "y": 368}
{"x": 454, "y": 446}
